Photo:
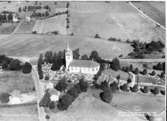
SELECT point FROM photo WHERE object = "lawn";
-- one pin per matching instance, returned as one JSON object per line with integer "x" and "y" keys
{"x": 113, "y": 19}
{"x": 19, "y": 113}
{"x": 33, "y": 45}
{"x": 10, "y": 81}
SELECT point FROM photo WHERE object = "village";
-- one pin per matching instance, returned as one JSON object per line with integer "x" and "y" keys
{"x": 55, "y": 70}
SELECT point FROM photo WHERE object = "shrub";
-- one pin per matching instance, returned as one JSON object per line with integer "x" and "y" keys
{"x": 129, "y": 80}
{"x": 144, "y": 72}
{"x": 27, "y": 68}
{"x": 46, "y": 77}
{"x": 134, "y": 88}
{"x": 97, "y": 36}
{"x": 4, "y": 97}
{"x": 15, "y": 65}
{"x": 153, "y": 73}
{"x": 74, "y": 91}
{"x": 104, "y": 85}
{"x": 51, "y": 105}
{"x": 115, "y": 64}
{"x": 106, "y": 95}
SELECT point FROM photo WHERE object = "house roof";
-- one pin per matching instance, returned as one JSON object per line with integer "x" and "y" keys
{"x": 83, "y": 63}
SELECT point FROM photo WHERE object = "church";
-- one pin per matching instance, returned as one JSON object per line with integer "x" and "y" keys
{"x": 80, "y": 66}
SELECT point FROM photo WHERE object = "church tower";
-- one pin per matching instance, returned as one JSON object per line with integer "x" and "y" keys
{"x": 68, "y": 55}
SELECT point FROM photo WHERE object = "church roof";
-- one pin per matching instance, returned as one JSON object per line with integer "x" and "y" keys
{"x": 83, "y": 63}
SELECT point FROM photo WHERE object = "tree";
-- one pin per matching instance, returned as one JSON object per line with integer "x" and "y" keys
{"x": 97, "y": 36}
{"x": 83, "y": 85}
{"x": 65, "y": 101}
{"x": 124, "y": 87}
{"x": 118, "y": 78}
{"x": 61, "y": 85}
{"x": 4, "y": 97}
{"x": 153, "y": 73}
{"x": 144, "y": 72}
{"x": 104, "y": 85}
{"x": 114, "y": 87}
{"x": 145, "y": 89}
{"x": 106, "y": 95}
{"x": 73, "y": 91}
{"x": 134, "y": 88}
{"x": 155, "y": 91}
{"x": 162, "y": 92}
{"x": 45, "y": 101}
{"x": 51, "y": 105}
{"x": 136, "y": 71}
{"x": 15, "y": 65}
{"x": 49, "y": 57}
{"x": 129, "y": 80}
{"x": 76, "y": 54}
{"x": 27, "y": 68}
{"x": 131, "y": 68}
{"x": 115, "y": 65}
{"x": 94, "y": 55}
{"x": 84, "y": 57}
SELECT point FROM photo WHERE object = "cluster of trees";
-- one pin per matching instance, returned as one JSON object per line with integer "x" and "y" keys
{"x": 33, "y": 8}
{"x": 66, "y": 100}
{"x": 40, "y": 14}
{"x": 6, "y": 17}
{"x": 140, "y": 49}
{"x": 159, "y": 66}
{"x": 14, "y": 64}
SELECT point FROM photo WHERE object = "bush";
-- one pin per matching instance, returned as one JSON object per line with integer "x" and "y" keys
{"x": 15, "y": 65}
{"x": 129, "y": 80}
{"x": 4, "y": 97}
{"x": 46, "y": 77}
{"x": 124, "y": 87}
{"x": 144, "y": 72}
{"x": 74, "y": 91}
{"x": 65, "y": 101}
{"x": 115, "y": 64}
{"x": 106, "y": 95}
{"x": 27, "y": 68}
{"x": 134, "y": 88}
{"x": 153, "y": 73}
{"x": 155, "y": 91}
{"x": 97, "y": 36}
{"x": 145, "y": 89}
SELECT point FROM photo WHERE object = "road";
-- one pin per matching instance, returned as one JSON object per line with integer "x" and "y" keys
{"x": 40, "y": 93}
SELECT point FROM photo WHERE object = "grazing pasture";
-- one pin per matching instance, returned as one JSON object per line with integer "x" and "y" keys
{"x": 7, "y": 28}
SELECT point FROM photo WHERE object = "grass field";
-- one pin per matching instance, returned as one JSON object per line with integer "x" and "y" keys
{"x": 7, "y": 28}
{"x": 33, "y": 45}
{"x": 88, "y": 108}
{"x": 26, "y": 27}
{"x": 56, "y": 23}
{"x": 19, "y": 113}
{"x": 154, "y": 9}
{"x": 114, "y": 19}
{"x": 10, "y": 81}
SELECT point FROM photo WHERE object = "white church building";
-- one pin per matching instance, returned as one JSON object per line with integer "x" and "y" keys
{"x": 80, "y": 66}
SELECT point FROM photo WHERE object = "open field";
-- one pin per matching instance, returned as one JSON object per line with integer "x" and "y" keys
{"x": 56, "y": 23}
{"x": 114, "y": 19}
{"x": 25, "y": 27}
{"x": 19, "y": 113}
{"x": 10, "y": 81}
{"x": 88, "y": 108}
{"x": 7, "y": 28}
{"x": 144, "y": 103}
{"x": 33, "y": 45}
{"x": 154, "y": 9}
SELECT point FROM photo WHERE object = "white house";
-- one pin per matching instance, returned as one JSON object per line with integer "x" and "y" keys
{"x": 54, "y": 94}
